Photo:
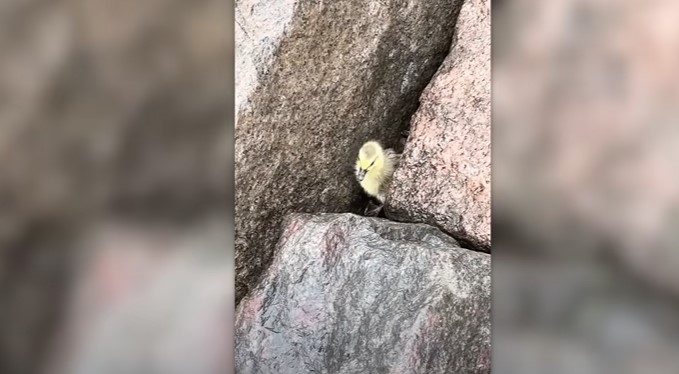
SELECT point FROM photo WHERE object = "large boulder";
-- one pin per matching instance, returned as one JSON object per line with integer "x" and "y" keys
{"x": 350, "y": 294}
{"x": 327, "y": 76}
{"x": 444, "y": 176}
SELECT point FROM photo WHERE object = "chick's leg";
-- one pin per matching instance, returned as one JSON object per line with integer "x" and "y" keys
{"x": 372, "y": 209}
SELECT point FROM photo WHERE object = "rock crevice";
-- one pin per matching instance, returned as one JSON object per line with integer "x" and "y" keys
{"x": 342, "y": 74}
{"x": 444, "y": 174}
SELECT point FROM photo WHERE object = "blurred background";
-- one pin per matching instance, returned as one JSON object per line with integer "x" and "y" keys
{"x": 116, "y": 157}
{"x": 116, "y": 144}
{"x": 585, "y": 186}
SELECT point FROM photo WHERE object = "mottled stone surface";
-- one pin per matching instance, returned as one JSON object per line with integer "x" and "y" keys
{"x": 351, "y": 294}
{"x": 342, "y": 72}
{"x": 444, "y": 176}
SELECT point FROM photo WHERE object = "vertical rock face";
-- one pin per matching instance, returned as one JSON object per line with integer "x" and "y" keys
{"x": 327, "y": 76}
{"x": 350, "y": 294}
{"x": 444, "y": 175}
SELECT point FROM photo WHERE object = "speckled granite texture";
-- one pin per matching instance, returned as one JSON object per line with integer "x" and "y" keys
{"x": 332, "y": 75}
{"x": 351, "y": 294}
{"x": 444, "y": 176}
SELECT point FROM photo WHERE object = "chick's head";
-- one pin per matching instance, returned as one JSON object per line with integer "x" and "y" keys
{"x": 370, "y": 160}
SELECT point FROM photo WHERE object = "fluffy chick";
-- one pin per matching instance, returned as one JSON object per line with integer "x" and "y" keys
{"x": 374, "y": 168}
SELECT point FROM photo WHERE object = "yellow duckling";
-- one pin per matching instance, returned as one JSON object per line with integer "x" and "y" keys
{"x": 374, "y": 168}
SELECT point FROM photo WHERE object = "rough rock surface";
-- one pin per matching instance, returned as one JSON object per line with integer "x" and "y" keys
{"x": 444, "y": 176}
{"x": 351, "y": 294}
{"x": 327, "y": 77}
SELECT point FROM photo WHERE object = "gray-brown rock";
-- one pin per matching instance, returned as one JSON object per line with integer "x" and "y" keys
{"x": 327, "y": 76}
{"x": 351, "y": 294}
{"x": 444, "y": 175}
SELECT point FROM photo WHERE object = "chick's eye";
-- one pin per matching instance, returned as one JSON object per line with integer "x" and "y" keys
{"x": 371, "y": 164}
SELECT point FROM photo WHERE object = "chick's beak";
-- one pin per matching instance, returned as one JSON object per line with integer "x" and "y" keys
{"x": 360, "y": 175}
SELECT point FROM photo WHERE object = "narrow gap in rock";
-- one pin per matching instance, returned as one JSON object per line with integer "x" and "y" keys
{"x": 469, "y": 245}
{"x": 361, "y": 202}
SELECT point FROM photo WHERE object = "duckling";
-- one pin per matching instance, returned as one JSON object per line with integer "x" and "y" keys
{"x": 374, "y": 168}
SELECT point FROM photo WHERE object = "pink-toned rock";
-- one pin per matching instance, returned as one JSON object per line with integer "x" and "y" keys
{"x": 444, "y": 176}
{"x": 352, "y": 294}
{"x": 315, "y": 80}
